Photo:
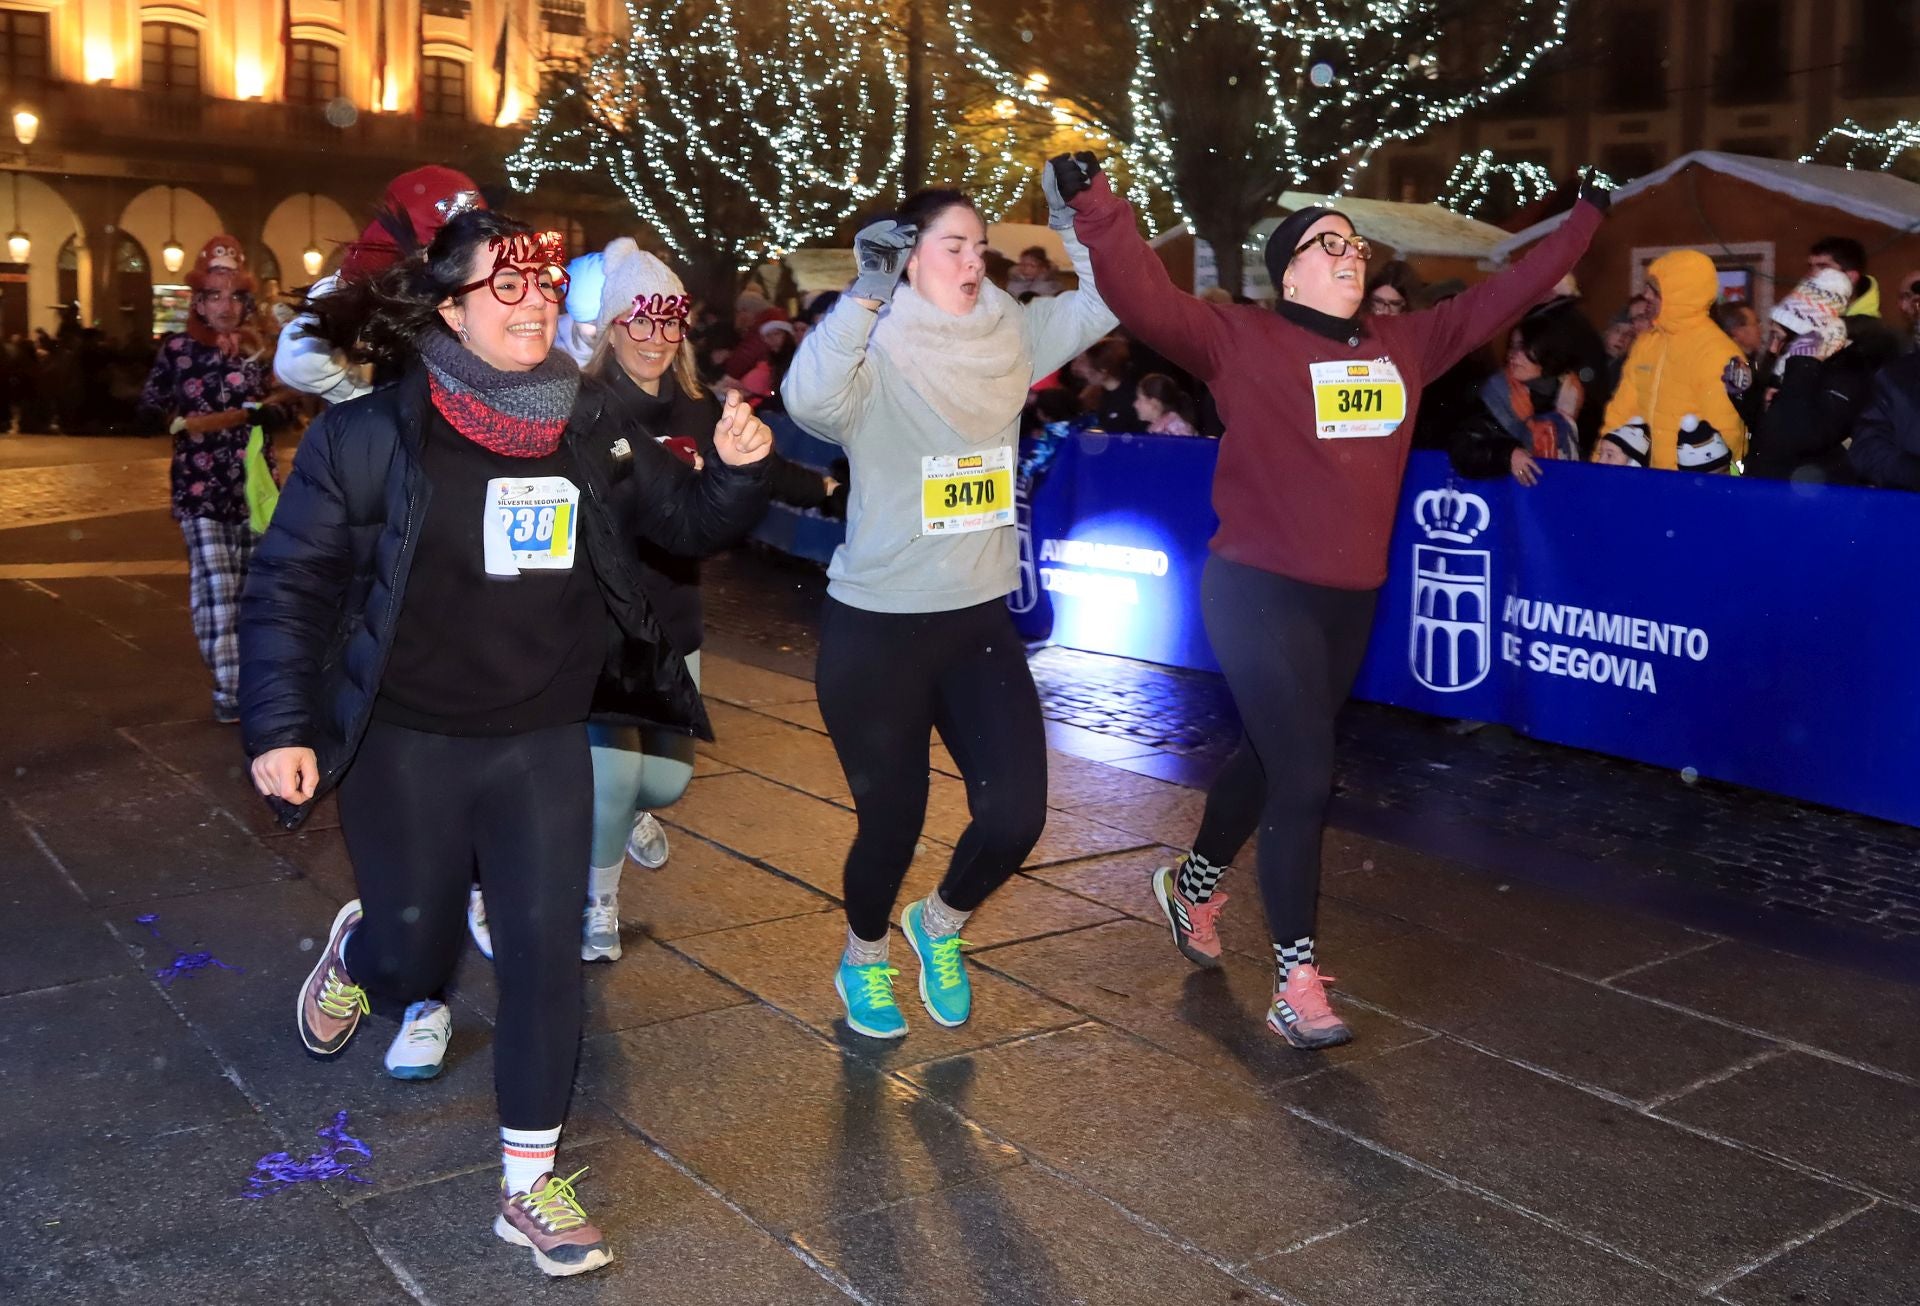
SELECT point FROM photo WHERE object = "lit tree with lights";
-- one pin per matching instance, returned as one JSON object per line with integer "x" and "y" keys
{"x": 737, "y": 129}
{"x": 1227, "y": 103}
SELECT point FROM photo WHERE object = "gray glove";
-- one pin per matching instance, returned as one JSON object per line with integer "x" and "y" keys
{"x": 881, "y": 250}
{"x": 1063, "y": 177}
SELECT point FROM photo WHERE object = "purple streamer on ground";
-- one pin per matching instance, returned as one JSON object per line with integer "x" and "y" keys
{"x": 185, "y": 963}
{"x": 148, "y": 921}
{"x": 279, "y": 1171}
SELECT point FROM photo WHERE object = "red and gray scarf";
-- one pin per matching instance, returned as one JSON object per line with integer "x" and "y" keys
{"x": 519, "y": 414}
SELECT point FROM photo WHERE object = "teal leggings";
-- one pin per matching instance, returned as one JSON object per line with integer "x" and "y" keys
{"x": 635, "y": 770}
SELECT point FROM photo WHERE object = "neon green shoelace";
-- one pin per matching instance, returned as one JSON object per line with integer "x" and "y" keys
{"x": 946, "y": 960}
{"x": 339, "y": 1000}
{"x": 876, "y": 984}
{"x": 556, "y": 1206}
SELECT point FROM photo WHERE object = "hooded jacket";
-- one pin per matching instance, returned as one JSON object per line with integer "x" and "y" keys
{"x": 1684, "y": 364}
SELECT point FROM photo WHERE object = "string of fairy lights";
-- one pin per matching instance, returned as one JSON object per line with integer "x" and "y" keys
{"x": 1481, "y": 178}
{"x": 1871, "y": 148}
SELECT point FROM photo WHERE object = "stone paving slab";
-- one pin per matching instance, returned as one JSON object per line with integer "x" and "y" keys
{"x": 1125, "y": 975}
{"x": 1029, "y": 1238}
{"x": 48, "y": 935}
{"x": 158, "y": 1217}
{"x": 1857, "y": 1016}
{"x": 704, "y": 888}
{"x": 1831, "y": 1117}
{"x": 671, "y": 1241}
{"x": 1455, "y": 1249}
{"x": 790, "y": 964}
{"x": 1872, "y": 1259}
{"x": 1695, "y": 1209}
{"x": 1137, "y": 1126}
{"x": 1589, "y": 1034}
{"x": 1022, "y": 908}
{"x": 769, "y": 1113}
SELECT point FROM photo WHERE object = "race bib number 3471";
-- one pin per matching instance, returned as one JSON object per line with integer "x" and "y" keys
{"x": 1357, "y": 399}
{"x": 967, "y": 492}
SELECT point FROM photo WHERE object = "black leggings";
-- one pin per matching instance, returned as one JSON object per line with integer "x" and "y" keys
{"x": 886, "y": 680}
{"x": 419, "y": 812}
{"x": 1290, "y": 652}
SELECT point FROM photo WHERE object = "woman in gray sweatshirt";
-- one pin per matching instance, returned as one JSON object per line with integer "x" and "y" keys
{"x": 920, "y": 372}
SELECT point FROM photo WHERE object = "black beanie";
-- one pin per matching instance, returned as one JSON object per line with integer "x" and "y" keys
{"x": 1287, "y": 237}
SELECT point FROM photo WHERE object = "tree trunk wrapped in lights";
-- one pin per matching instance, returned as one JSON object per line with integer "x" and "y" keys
{"x": 1227, "y": 103}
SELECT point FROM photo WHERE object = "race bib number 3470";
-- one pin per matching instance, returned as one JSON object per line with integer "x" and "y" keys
{"x": 967, "y": 492}
{"x": 1357, "y": 399}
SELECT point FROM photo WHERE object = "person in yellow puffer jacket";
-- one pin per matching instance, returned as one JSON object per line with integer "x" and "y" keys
{"x": 1684, "y": 364}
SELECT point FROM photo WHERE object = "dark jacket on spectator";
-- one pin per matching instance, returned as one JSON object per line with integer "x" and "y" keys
{"x": 1804, "y": 431}
{"x": 327, "y": 581}
{"x": 1886, "y": 436}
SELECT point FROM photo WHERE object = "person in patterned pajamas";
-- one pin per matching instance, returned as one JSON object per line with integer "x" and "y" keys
{"x": 209, "y": 383}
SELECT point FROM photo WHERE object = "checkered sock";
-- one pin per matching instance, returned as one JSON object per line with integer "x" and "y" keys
{"x": 527, "y": 1154}
{"x": 1288, "y": 955}
{"x": 1197, "y": 878}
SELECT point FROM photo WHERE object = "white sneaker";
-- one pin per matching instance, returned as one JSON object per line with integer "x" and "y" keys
{"x": 600, "y": 934}
{"x": 421, "y": 1045}
{"x": 477, "y": 923}
{"x": 647, "y": 844}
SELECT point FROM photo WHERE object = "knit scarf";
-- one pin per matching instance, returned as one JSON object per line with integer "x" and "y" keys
{"x": 519, "y": 414}
{"x": 972, "y": 371}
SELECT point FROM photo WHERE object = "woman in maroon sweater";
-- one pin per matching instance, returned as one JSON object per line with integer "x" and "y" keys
{"x": 1319, "y": 404}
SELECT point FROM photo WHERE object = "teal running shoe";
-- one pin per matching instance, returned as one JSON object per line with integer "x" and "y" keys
{"x": 943, "y": 976}
{"x": 868, "y": 993}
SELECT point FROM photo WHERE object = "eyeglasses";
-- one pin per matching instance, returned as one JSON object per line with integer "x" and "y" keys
{"x": 1386, "y": 304}
{"x": 509, "y": 284}
{"x": 1337, "y": 245}
{"x": 641, "y": 328}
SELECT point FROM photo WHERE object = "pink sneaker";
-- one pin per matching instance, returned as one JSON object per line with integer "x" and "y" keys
{"x": 1195, "y": 925}
{"x": 1301, "y": 1015}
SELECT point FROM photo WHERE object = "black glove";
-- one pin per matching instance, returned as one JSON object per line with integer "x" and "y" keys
{"x": 835, "y": 504}
{"x": 1065, "y": 176}
{"x": 1597, "y": 195}
{"x": 881, "y": 250}
{"x": 273, "y": 417}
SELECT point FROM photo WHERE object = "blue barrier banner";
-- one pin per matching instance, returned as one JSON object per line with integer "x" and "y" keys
{"x": 1757, "y": 632}
{"x": 796, "y": 531}
{"x": 1114, "y": 541}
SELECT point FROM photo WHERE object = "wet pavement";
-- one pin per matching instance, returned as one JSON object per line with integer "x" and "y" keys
{"x": 1569, "y": 1084}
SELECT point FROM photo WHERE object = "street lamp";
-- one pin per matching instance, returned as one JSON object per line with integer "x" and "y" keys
{"x": 170, "y": 253}
{"x": 18, "y": 246}
{"x": 311, "y": 258}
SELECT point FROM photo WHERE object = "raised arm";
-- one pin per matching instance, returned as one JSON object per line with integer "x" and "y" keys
{"x": 1135, "y": 286}
{"x": 1456, "y": 328}
{"x": 828, "y": 385}
{"x": 1061, "y": 327}
{"x": 693, "y": 513}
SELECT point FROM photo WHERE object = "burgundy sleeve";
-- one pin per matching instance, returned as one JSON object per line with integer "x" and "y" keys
{"x": 1468, "y": 320}
{"x": 1135, "y": 285}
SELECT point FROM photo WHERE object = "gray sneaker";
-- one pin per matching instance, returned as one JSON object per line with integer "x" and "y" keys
{"x": 600, "y": 934}
{"x": 647, "y": 844}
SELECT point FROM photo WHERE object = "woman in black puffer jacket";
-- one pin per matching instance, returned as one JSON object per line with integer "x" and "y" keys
{"x": 448, "y": 591}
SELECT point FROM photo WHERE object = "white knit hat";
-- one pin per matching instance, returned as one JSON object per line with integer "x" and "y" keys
{"x": 632, "y": 273}
{"x": 1823, "y": 295}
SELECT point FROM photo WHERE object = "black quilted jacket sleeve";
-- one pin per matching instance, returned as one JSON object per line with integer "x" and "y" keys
{"x": 291, "y": 606}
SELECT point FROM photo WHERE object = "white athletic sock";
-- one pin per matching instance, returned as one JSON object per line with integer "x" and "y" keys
{"x": 527, "y": 1154}
{"x": 862, "y": 952}
{"x": 603, "y": 880}
{"x": 939, "y": 919}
